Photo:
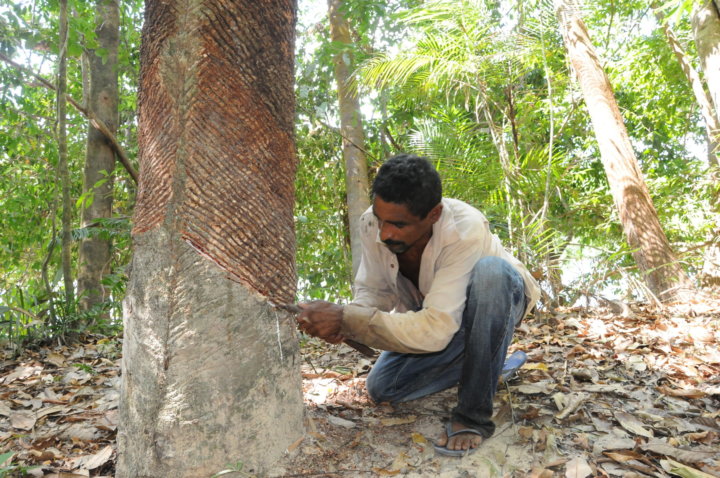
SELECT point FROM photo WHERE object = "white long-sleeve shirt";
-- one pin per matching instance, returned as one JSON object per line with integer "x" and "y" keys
{"x": 388, "y": 312}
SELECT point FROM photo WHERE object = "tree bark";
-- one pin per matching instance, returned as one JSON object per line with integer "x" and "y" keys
{"x": 703, "y": 99}
{"x": 102, "y": 100}
{"x": 210, "y": 367}
{"x": 353, "y": 136}
{"x": 63, "y": 170}
{"x": 706, "y": 29}
{"x": 655, "y": 259}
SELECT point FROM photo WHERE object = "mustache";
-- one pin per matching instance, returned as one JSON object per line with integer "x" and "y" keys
{"x": 391, "y": 242}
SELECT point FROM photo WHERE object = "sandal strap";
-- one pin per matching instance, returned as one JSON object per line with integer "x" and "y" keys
{"x": 450, "y": 433}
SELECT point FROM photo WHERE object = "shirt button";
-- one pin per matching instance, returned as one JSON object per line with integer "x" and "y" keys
{"x": 392, "y": 266}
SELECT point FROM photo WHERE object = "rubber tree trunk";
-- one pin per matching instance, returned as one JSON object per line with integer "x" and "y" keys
{"x": 102, "y": 99}
{"x": 63, "y": 169}
{"x": 210, "y": 371}
{"x": 703, "y": 99}
{"x": 356, "y": 171}
{"x": 653, "y": 254}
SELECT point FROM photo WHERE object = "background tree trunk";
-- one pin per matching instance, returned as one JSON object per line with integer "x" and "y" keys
{"x": 356, "y": 172}
{"x": 704, "y": 101}
{"x": 63, "y": 170}
{"x": 210, "y": 369}
{"x": 95, "y": 252}
{"x": 706, "y": 29}
{"x": 638, "y": 216}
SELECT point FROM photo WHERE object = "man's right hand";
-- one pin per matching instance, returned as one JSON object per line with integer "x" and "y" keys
{"x": 321, "y": 319}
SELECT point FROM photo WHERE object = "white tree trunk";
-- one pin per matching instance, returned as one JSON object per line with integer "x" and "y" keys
{"x": 706, "y": 28}
{"x": 210, "y": 371}
{"x": 703, "y": 99}
{"x": 356, "y": 172}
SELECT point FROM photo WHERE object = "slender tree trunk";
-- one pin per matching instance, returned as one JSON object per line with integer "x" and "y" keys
{"x": 95, "y": 252}
{"x": 63, "y": 170}
{"x": 712, "y": 123}
{"x": 210, "y": 366}
{"x": 653, "y": 254}
{"x": 356, "y": 173}
{"x": 706, "y": 28}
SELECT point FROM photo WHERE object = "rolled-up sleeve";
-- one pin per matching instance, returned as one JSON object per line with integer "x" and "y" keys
{"x": 428, "y": 330}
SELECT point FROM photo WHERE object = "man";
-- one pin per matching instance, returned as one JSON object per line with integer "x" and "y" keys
{"x": 436, "y": 291}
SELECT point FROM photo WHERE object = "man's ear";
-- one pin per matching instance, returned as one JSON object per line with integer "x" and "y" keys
{"x": 434, "y": 214}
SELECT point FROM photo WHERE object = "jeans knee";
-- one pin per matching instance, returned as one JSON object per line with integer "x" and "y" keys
{"x": 374, "y": 388}
{"x": 491, "y": 271}
{"x": 493, "y": 278}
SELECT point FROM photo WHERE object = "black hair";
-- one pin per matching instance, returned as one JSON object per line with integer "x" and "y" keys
{"x": 409, "y": 180}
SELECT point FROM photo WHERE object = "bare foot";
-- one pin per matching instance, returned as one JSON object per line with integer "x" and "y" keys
{"x": 461, "y": 441}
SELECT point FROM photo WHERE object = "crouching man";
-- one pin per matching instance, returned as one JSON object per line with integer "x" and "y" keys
{"x": 437, "y": 292}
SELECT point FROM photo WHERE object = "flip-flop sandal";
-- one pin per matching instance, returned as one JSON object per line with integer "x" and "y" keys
{"x": 448, "y": 430}
{"x": 512, "y": 364}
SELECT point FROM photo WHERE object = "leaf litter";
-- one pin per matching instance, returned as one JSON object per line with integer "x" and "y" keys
{"x": 603, "y": 395}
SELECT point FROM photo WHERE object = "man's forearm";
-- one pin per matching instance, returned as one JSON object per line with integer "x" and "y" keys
{"x": 428, "y": 330}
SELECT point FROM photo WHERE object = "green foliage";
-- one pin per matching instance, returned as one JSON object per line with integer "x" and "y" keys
{"x": 481, "y": 88}
{"x": 30, "y": 293}
{"x": 7, "y": 469}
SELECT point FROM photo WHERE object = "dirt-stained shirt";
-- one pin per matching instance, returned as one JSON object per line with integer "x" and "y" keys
{"x": 388, "y": 312}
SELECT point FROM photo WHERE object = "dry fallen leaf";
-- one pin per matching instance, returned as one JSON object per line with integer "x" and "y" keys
{"x": 56, "y": 359}
{"x": 22, "y": 420}
{"x": 295, "y": 444}
{"x": 683, "y": 393}
{"x": 535, "y": 366}
{"x": 68, "y": 475}
{"x": 623, "y": 455}
{"x": 389, "y": 422}
{"x": 689, "y": 456}
{"x": 21, "y": 373}
{"x": 571, "y": 403}
{"x": 384, "y": 472}
{"x": 541, "y": 473}
{"x": 544, "y": 387}
{"x": 340, "y": 421}
{"x": 52, "y": 410}
{"x": 684, "y": 471}
{"x": 420, "y": 439}
{"x": 577, "y": 468}
{"x": 90, "y": 462}
{"x": 633, "y": 425}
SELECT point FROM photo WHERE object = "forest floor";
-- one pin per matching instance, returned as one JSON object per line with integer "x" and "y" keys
{"x": 629, "y": 392}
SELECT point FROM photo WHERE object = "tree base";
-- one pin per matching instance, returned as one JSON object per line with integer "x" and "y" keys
{"x": 210, "y": 372}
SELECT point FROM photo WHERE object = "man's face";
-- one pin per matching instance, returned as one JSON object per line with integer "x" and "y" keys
{"x": 399, "y": 228}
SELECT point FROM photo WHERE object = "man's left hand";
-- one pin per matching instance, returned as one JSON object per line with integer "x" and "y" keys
{"x": 321, "y": 319}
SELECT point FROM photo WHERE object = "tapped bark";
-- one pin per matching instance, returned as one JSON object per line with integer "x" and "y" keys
{"x": 210, "y": 368}
{"x": 95, "y": 252}
{"x": 657, "y": 263}
{"x": 353, "y": 136}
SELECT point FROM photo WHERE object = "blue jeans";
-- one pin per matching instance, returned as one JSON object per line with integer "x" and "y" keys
{"x": 473, "y": 358}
